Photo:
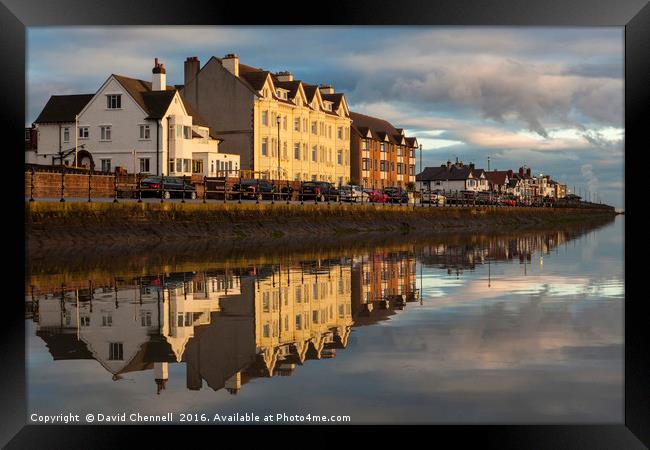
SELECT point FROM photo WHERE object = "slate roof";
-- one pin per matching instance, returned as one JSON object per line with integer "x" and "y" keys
{"x": 63, "y": 108}
{"x": 379, "y": 128}
{"x": 497, "y": 177}
{"x": 441, "y": 173}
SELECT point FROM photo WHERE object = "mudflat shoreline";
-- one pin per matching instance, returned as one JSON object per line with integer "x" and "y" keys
{"x": 124, "y": 228}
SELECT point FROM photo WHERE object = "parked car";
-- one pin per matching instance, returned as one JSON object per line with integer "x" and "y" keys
{"x": 252, "y": 189}
{"x": 320, "y": 191}
{"x": 352, "y": 193}
{"x": 396, "y": 195}
{"x": 376, "y": 196}
{"x": 433, "y": 197}
{"x": 167, "y": 187}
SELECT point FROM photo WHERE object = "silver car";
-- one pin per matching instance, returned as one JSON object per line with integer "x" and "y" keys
{"x": 352, "y": 193}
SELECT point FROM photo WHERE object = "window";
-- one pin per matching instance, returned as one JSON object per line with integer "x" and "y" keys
{"x": 339, "y": 157}
{"x": 339, "y": 132}
{"x": 364, "y": 144}
{"x": 313, "y": 153}
{"x": 171, "y": 166}
{"x": 364, "y": 164}
{"x": 265, "y": 117}
{"x": 296, "y": 124}
{"x": 314, "y": 127}
{"x": 382, "y": 146}
{"x": 284, "y": 122}
{"x": 186, "y": 165}
{"x": 382, "y": 166}
{"x": 412, "y": 169}
{"x": 187, "y": 132}
{"x": 298, "y": 322}
{"x": 114, "y": 101}
{"x": 107, "y": 320}
{"x": 296, "y": 151}
{"x": 144, "y": 165}
{"x": 105, "y": 133}
{"x": 115, "y": 351}
{"x": 179, "y": 165}
{"x": 399, "y": 169}
{"x": 265, "y": 146}
{"x": 84, "y": 321}
{"x": 197, "y": 166}
{"x": 145, "y": 132}
{"x": 145, "y": 318}
{"x": 284, "y": 150}
{"x": 66, "y": 134}
{"x": 106, "y": 165}
{"x": 84, "y": 133}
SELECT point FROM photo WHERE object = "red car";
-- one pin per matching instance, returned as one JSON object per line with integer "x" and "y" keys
{"x": 375, "y": 196}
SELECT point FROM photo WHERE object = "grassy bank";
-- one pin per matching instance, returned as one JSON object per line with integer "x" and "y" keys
{"x": 72, "y": 226}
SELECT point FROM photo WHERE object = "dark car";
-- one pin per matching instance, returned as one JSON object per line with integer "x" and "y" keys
{"x": 319, "y": 190}
{"x": 167, "y": 187}
{"x": 396, "y": 195}
{"x": 255, "y": 189}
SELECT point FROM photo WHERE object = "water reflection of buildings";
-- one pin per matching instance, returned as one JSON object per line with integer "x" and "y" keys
{"x": 457, "y": 257}
{"x": 227, "y": 326}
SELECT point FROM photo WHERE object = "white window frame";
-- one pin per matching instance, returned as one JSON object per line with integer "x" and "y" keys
{"x": 105, "y": 133}
{"x": 84, "y": 132}
{"x": 109, "y": 101}
{"x": 144, "y": 131}
{"x": 146, "y": 161}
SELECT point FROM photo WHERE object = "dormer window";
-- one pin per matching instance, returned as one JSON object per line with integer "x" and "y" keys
{"x": 281, "y": 93}
{"x": 114, "y": 101}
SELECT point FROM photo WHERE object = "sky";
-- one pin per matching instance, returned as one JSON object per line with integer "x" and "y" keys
{"x": 548, "y": 98}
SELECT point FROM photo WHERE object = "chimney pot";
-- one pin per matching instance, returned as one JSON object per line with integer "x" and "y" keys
{"x": 159, "y": 79}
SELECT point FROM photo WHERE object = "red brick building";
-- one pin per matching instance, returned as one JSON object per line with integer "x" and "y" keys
{"x": 380, "y": 154}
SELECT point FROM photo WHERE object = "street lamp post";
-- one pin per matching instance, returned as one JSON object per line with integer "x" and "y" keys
{"x": 76, "y": 136}
{"x": 278, "y": 120}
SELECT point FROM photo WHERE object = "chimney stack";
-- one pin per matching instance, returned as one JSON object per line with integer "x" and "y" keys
{"x": 159, "y": 80}
{"x": 471, "y": 166}
{"x": 521, "y": 172}
{"x": 528, "y": 172}
{"x": 231, "y": 63}
{"x": 192, "y": 66}
{"x": 326, "y": 89}
{"x": 284, "y": 76}
{"x": 448, "y": 164}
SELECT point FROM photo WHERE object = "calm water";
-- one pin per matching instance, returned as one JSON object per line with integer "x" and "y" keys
{"x": 524, "y": 328}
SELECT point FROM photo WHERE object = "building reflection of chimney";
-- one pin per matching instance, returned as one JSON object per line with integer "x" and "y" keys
{"x": 233, "y": 384}
{"x": 161, "y": 374}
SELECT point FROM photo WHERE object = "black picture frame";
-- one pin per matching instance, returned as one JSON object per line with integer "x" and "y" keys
{"x": 634, "y": 15}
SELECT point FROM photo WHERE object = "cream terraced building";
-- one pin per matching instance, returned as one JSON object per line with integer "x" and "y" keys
{"x": 280, "y": 127}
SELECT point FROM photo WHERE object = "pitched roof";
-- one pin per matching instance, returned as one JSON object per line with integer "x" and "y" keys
{"x": 156, "y": 103}
{"x": 335, "y": 98}
{"x": 497, "y": 177}
{"x": 310, "y": 91}
{"x": 379, "y": 128}
{"x": 441, "y": 173}
{"x": 63, "y": 108}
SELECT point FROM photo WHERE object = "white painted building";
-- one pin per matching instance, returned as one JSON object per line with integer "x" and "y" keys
{"x": 452, "y": 178}
{"x": 140, "y": 126}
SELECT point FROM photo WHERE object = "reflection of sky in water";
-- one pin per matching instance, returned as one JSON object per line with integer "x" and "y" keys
{"x": 541, "y": 347}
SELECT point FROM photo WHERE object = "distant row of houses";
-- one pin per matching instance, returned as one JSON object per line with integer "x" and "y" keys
{"x": 227, "y": 118}
{"x": 456, "y": 177}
